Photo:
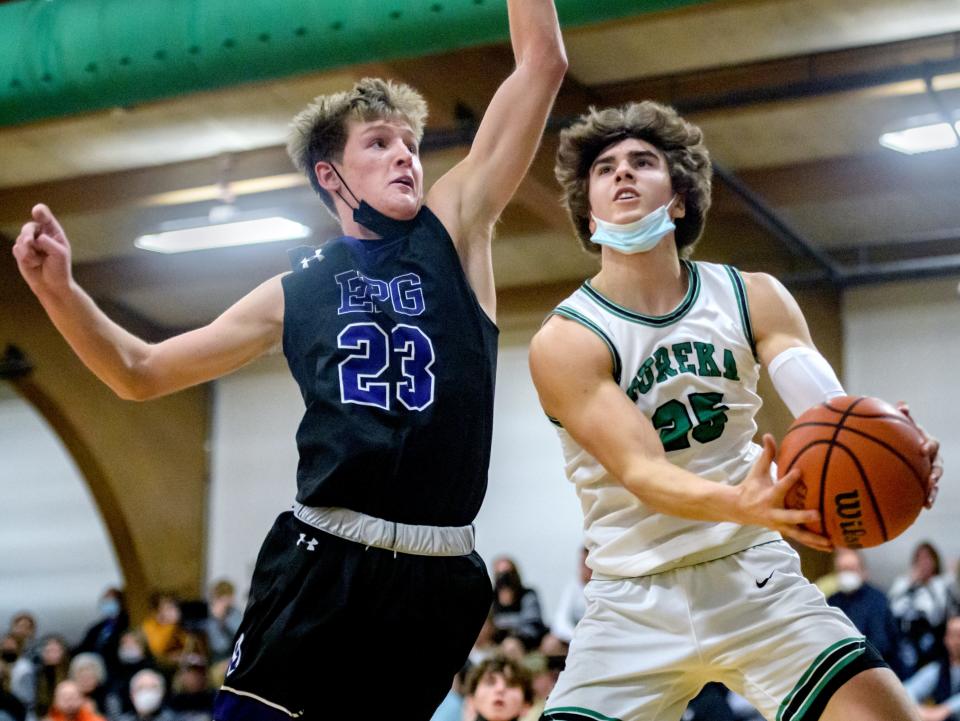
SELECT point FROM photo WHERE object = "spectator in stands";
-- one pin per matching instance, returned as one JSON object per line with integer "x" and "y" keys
{"x": 147, "y": 689}
{"x": 451, "y": 708}
{"x": 516, "y": 609}
{"x": 103, "y": 637}
{"x": 572, "y": 603}
{"x": 865, "y": 605}
{"x": 18, "y": 670}
{"x": 24, "y": 627}
{"x": 953, "y": 591}
{"x": 938, "y": 683}
{"x": 53, "y": 667}
{"x": 89, "y": 673}
{"x": 918, "y": 601}
{"x": 498, "y": 689}
{"x": 69, "y": 704}
{"x": 223, "y": 620}
{"x": 192, "y": 697}
{"x": 133, "y": 656}
{"x": 485, "y": 645}
{"x": 166, "y": 639}
{"x": 11, "y": 708}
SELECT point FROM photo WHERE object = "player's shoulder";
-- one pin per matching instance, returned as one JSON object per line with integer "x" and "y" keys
{"x": 567, "y": 346}
{"x": 761, "y": 285}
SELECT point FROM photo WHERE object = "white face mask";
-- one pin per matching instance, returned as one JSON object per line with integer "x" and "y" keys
{"x": 147, "y": 700}
{"x": 849, "y": 581}
{"x": 639, "y": 236}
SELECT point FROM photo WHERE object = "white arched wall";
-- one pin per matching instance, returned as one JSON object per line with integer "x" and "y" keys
{"x": 56, "y": 557}
{"x": 902, "y": 342}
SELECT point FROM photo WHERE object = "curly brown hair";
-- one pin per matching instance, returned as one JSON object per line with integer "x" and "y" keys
{"x": 319, "y": 132}
{"x": 513, "y": 673}
{"x": 660, "y": 125}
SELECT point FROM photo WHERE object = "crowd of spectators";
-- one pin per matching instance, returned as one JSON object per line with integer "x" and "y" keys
{"x": 168, "y": 667}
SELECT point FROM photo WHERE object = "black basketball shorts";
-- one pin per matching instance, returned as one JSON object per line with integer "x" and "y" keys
{"x": 334, "y": 629}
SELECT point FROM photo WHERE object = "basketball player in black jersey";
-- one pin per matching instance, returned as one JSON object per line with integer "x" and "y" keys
{"x": 389, "y": 331}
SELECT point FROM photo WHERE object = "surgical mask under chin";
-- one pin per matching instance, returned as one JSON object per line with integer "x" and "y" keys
{"x": 372, "y": 219}
{"x": 147, "y": 700}
{"x": 639, "y": 236}
{"x": 849, "y": 581}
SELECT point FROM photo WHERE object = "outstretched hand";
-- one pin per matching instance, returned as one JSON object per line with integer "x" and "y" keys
{"x": 762, "y": 500}
{"x": 930, "y": 448}
{"x": 43, "y": 252}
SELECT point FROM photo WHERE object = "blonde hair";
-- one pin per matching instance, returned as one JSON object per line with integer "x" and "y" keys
{"x": 319, "y": 132}
{"x": 681, "y": 142}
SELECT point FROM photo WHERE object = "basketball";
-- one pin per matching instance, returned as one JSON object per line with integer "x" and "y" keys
{"x": 862, "y": 468}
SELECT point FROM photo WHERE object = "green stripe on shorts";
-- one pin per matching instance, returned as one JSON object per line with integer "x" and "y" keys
{"x": 569, "y": 713}
{"x": 818, "y": 675}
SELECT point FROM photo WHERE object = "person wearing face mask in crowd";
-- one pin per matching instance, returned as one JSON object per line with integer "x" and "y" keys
{"x": 147, "y": 690}
{"x": 516, "y": 609}
{"x": 498, "y": 689}
{"x": 103, "y": 637}
{"x": 865, "y": 605}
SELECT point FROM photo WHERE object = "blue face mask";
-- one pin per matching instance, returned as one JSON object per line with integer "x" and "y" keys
{"x": 639, "y": 236}
{"x": 109, "y": 608}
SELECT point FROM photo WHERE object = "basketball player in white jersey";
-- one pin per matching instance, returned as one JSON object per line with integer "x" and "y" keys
{"x": 650, "y": 372}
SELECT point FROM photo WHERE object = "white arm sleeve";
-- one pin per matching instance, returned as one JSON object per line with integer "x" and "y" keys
{"x": 803, "y": 378}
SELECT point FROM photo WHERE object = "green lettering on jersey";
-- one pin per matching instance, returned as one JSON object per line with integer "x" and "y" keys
{"x": 729, "y": 365}
{"x": 643, "y": 381}
{"x": 664, "y": 369}
{"x": 706, "y": 365}
{"x": 680, "y": 352}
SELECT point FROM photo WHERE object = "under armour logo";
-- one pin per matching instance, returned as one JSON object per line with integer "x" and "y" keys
{"x": 311, "y": 544}
{"x": 235, "y": 658}
{"x": 317, "y": 256}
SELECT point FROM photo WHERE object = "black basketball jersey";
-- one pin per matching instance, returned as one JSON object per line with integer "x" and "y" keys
{"x": 396, "y": 363}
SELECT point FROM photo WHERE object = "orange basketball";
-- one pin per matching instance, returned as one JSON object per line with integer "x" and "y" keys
{"x": 862, "y": 468}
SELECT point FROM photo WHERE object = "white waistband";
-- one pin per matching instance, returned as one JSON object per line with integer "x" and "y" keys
{"x": 392, "y": 536}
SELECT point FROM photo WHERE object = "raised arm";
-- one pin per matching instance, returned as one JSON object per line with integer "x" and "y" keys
{"x": 572, "y": 371}
{"x": 132, "y": 368}
{"x": 471, "y": 196}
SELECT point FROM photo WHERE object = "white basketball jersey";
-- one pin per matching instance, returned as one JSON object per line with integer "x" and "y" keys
{"x": 693, "y": 373}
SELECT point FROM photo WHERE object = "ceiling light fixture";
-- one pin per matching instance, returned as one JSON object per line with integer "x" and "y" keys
{"x": 922, "y": 138}
{"x": 224, "y": 228}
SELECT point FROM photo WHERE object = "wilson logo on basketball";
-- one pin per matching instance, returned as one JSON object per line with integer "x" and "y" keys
{"x": 848, "y": 508}
{"x": 862, "y": 467}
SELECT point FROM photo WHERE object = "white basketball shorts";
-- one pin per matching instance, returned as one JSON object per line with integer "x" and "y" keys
{"x": 751, "y": 621}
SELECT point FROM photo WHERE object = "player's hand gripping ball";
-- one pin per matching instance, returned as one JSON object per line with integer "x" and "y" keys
{"x": 862, "y": 467}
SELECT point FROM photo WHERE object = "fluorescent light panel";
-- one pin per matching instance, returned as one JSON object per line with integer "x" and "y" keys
{"x": 921, "y": 139}
{"x": 223, "y": 235}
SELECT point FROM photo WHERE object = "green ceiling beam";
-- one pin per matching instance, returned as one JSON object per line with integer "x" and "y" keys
{"x": 60, "y": 57}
